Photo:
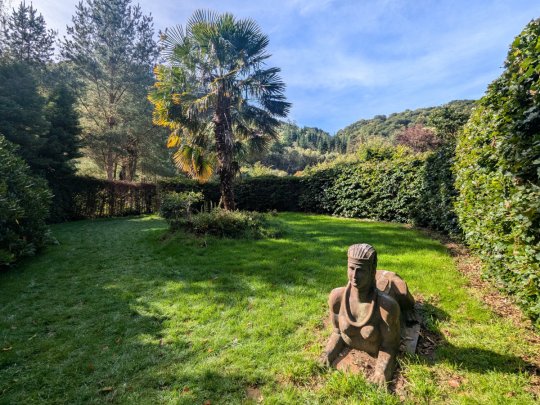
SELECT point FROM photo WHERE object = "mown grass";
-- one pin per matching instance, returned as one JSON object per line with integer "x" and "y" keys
{"x": 122, "y": 312}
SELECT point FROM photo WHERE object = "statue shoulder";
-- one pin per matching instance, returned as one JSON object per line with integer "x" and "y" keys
{"x": 334, "y": 299}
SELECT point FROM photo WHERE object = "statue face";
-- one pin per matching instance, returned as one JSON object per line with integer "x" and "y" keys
{"x": 360, "y": 273}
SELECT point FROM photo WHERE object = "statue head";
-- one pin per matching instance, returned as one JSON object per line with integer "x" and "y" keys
{"x": 361, "y": 265}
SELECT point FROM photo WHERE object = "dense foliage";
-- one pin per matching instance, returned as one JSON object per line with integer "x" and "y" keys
{"x": 232, "y": 224}
{"x": 382, "y": 184}
{"x": 177, "y": 208}
{"x": 22, "y": 110}
{"x": 37, "y": 105}
{"x": 188, "y": 211}
{"x": 25, "y": 36}
{"x": 24, "y": 207}
{"x": 77, "y": 197}
{"x": 254, "y": 194}
{"x": 437, "y": 193}
{"x": 351, "y": 137}
{"x": 497, "y": 173}
{"x": 418, "y": 138}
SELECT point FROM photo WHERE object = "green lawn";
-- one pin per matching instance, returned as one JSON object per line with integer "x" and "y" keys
{"x": 121, "y": 312}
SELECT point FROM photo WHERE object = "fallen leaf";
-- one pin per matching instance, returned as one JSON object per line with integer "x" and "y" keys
{"x": 207, "y": 402}
{"x": 210, "y": 350}
{"x": 454, "y": 383}
{"x": 186, "y": 389}
{"x": 106, "y": 389}
{"x": 7, "y": 349}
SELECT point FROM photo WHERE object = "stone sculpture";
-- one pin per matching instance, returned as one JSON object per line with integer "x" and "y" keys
{"x": 369, "y": 312}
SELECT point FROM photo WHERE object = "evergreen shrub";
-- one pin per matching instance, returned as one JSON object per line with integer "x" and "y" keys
{"x": 233, "y": 224}
{"x": 437, "y": 193}
{"x": 177, "y": 208}
{"x": 498, "y": 170}
{"x": 383, "y": 184}
{"x": 24, "y": 207}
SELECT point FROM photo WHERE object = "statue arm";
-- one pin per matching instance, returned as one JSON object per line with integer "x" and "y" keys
{"x": 335, "y": 343}
{"x": 391, "y": 336}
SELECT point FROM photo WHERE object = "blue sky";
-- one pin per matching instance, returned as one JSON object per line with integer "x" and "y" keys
{"x": 343, "y": 60}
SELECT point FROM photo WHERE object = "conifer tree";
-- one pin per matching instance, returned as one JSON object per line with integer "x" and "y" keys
{"x": 22, "y": 114}
{"x": 26, "y": 37}
{"x": 111, "y": 47}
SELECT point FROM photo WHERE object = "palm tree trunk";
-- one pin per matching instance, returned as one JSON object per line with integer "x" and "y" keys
{"x": 224, "y": 148}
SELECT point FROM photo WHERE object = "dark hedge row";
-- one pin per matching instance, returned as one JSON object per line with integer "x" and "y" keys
{"x": 387, "y": 188}
{"x": 86, "y": 197}
{"x": 252, "y": 194}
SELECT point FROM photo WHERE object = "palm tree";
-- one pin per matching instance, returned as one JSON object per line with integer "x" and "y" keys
{"x": 216, "y": 95}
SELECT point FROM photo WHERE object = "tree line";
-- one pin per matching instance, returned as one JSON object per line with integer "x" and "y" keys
{"x": 213, "y": 100}
{"x": 84, "y": 94}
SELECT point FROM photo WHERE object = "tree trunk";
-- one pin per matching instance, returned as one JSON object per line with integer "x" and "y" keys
{"x": 109, "y": 165}
{"x": 132, "y": 158}
{"x": 224, "y": 148}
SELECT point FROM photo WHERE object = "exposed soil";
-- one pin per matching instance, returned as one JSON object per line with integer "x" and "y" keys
{"x": 359, "y": 362}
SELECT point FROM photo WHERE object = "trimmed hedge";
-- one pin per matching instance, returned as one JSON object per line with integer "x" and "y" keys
{"x": 498, "y": 174}
{"x": 24, "y": 207}
{"x": 252, "y": 194}
{"x": 437, "y": 193}
{"x": 87, "y": 197}
{"x": 381, "y": 188}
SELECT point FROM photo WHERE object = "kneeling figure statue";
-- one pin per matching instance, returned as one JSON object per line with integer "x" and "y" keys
{"x": 368, "y": 313}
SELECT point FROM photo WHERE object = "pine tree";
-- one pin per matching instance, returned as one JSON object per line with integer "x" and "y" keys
{"x": 26, "y": 38}
{"x": 61, "y": 144}
{"x": 111, "y": 47}
{"x": 22, "y": 111}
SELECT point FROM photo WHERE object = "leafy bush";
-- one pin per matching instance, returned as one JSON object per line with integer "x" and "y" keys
{"x": 437, "y": 193}
{"x": 383, "y": 184}
{"x": 177, "y": 208}
{"x": 259, "y": 170}
{"x": 232, "y": 224}
{"x": 498, "y": 174}
{"x": 24, "y": 206}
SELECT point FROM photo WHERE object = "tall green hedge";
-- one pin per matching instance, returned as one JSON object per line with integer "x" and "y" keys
{"x": 24, "y": 207}
{"x": 497, "y": 174}
{"x": 77, "y": 197}
{"x": 382, "y": 187}
{"x": 437, "y": 193}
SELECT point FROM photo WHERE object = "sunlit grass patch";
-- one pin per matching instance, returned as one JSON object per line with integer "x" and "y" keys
{"x": 121, "y": 311}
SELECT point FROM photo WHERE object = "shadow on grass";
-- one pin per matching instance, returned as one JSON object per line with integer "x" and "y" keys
{"x": 122, "y": 311}
{"x": 434, "y": 347}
